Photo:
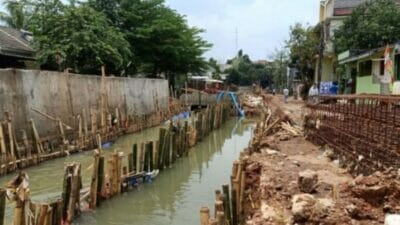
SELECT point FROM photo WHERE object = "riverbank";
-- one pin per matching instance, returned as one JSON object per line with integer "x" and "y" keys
{"x": 289, "y": 180}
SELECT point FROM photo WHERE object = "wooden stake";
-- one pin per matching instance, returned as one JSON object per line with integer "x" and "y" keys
{"x": 2, "y": 205}
{"x": 37, "y": 144}
{"x": 102, "y": 100}
{"x": 94, "y": 181}
{"x": 2, "y": 142}
{"x": 85, "y": 123}
{"x": 227, "y": 202}
{"x": 204, "y": 215}
{"x": 93, "y": 119}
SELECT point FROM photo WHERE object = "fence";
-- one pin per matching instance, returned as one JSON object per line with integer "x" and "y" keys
{"x": 364, "y": 130}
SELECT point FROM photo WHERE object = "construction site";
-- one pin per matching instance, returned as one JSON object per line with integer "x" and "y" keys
{"x": 95, "y": 158}
{"x": 333, "y": 162}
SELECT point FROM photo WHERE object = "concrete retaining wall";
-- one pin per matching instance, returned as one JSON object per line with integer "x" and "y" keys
{"x": 65, "y": 95}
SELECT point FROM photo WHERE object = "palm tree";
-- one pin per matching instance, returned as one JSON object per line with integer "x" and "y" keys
{"x": 16, "y": 15}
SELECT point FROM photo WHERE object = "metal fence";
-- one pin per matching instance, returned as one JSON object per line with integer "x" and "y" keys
{"x": 364, "y": 130}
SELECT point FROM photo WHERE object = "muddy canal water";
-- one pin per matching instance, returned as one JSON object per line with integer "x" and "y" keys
{"x": 174, "y": 197}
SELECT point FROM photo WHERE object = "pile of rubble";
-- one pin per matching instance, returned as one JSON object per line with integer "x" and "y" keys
{"x": 290, "y": 181}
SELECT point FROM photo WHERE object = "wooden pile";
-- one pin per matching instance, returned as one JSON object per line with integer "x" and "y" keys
{"x": 117, "y": 176}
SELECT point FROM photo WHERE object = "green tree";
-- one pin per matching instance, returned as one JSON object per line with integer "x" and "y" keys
{"x": 371, "y": 25}
{"x": 212, "y": 63}
{"x": 278, "y": 68}
{"x": 79, "y": 38}
{"x": 16, "y": 15}
{"x": 163, "y": 42}
{"x": 303, "y": 46}
{"x": 245, "y": 72}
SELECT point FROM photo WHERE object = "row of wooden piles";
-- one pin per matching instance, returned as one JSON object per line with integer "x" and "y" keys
{"x": 25, "y": 147}
{"x": 228, "y": 208}
{"x": 117, "y": 173}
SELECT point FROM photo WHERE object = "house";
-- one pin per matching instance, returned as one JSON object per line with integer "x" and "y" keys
{"x": 14, "y": 47}
{"x": 367, "y": 69}
{"x": 332, "y": 14}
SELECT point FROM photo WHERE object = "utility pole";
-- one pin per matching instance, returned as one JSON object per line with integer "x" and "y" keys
{"x": 321, "y": 55}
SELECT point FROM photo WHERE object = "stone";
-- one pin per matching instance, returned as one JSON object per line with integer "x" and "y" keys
{"x": 391, "y": 219}
{"x": 305, "y": 206}
{"x": 271, "y": 152}
{"x": 268, "y": 213}
{"x": 302, "y": 207}
{"x": 296, "y": 163}
{"x": 308, "y": 181}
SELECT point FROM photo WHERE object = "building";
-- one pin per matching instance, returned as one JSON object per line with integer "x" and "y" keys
{"x": 332, "y": 14}
{"x": 367, "y": 69}
{"x": 14, "y": 48}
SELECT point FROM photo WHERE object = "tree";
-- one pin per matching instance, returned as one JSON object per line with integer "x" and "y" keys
{"x": 79, "y": 38}
{"x": 371, "y": 25}
{"x": 110, "y": 8}
{"x": 163, "y": 42}
{"x": 212, "y": 63}
{"x": 245, "y": 72}
{"x": 16, "y": 15}
{"x": 278, "y": 68}
{"x": 303, "y": 46}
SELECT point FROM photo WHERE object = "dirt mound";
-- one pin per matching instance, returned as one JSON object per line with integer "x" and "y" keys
{"x": 277, "y": 158}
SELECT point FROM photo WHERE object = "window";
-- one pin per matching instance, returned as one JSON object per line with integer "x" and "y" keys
{"x": 365, "y": 68}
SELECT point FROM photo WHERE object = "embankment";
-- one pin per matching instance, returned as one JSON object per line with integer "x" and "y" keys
{"x": 50, "y": 114}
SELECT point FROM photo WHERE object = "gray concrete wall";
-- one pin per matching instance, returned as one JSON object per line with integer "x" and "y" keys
{"x": 65, "y": 95}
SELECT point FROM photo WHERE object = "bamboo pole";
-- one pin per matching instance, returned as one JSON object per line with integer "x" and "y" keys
{"x": 100, "y": 179}
{"x": 94, "y": 181}
{"x": 220, "y": 218}
{"x": 242, "y": 187}
{"x": 42, "y": 214}
{"x": 73, "y": 204}
{"x": 134, "y": 159}
{"x": 85, "y": 124}
{"x": 227, "y": 202}
{"x": 118, "y": 172}
{"x": 61, "y": 130}
{"x": 111, "y": 177}
{"x": 93, "y": 119}
{"x": 80, "y": 132}
{"x": 141, "y": 157}
{"x": 234, "y": 207}
{"x": 2, "y": 141}
{"x": 156, "y": 154}
{"x": 51, "y": 118}
{"x": 162, "y": 139}
{"x": 37, "y": 144}
{"x": 212, "y": 221}
{"x": 2, "y": 205}
{"x": 204, "y": 215}
{"x": 102, "y": 100}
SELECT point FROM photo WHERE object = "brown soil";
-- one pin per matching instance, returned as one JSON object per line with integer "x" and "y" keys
{"x": 276, "y": 157}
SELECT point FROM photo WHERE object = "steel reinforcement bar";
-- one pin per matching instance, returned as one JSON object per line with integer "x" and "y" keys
{"x": 364, "y": 130}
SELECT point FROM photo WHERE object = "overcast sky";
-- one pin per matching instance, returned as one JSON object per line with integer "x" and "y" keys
{"x": 262, "y": 25}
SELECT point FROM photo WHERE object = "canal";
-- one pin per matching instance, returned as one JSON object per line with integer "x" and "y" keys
{"x": 176, "y": 194}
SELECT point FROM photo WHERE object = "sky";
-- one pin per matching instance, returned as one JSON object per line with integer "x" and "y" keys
{"x": 262, "y": 25}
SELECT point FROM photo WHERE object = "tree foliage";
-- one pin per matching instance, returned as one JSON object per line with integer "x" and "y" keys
{"x": 371, "y": 25}
{"x": 79, "y": 38}
{"x": 245, "y": 72}
{"x": 277, "y": 68}
{"x": 127, "y": 36}
{"x": 16, "y": 15}
{"x": 303, "y": 45}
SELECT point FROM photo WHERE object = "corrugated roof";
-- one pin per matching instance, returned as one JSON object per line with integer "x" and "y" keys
{"x": 13, "y": 43}
{"x": 348, "y": 4}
